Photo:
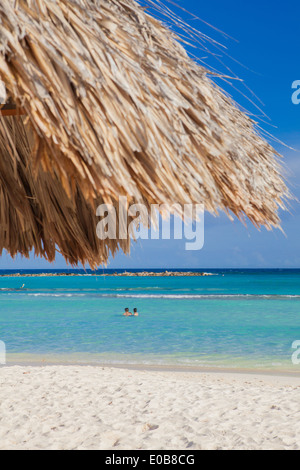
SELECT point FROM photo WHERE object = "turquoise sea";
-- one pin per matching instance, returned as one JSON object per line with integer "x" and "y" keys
{"x": 233, "y": 319}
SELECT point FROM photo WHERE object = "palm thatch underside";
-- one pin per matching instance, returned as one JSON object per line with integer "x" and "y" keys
{"x": 112, "y": 105}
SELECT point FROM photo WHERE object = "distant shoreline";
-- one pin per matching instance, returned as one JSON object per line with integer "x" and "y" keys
{"x": 36, "y": 361}
{"x": 114, "y": 274}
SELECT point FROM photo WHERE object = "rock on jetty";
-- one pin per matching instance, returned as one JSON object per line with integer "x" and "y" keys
{"x": 159, "y": 274}
{"x": 128, "y": 274}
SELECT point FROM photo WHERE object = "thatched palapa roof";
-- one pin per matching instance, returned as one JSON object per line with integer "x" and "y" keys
{"x": 109, "y": 103}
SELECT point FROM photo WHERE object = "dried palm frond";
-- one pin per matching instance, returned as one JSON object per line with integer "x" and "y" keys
{"x": 115, "y": 106}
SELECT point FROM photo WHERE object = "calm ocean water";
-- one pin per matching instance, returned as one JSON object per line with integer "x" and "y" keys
{"x": 232, "y": 319}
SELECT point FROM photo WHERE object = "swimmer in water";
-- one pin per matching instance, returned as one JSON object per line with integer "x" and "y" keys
{"x": 127, "y": 313}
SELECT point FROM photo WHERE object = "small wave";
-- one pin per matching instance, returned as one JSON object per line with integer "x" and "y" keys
{"x": 57, "y": 295}
{"x": 125, "y": 295}
{"x": 203, "y": 296}
{"x": 11, "y": 289}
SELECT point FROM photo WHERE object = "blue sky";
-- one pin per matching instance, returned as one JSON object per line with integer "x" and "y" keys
{"x": 266, "y": 42}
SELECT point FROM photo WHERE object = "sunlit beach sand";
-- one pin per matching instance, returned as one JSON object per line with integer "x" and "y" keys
{"x": 88, "y": 407}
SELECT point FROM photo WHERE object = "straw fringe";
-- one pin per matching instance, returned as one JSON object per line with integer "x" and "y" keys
{"x": 115, "y": 106}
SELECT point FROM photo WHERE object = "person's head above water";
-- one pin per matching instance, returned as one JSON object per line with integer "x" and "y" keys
{"x": 135, "y": 309}
{"x": 127, "y": 313}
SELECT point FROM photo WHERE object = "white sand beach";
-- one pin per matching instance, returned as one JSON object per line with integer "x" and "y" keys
{"x": 89, "y": 407}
